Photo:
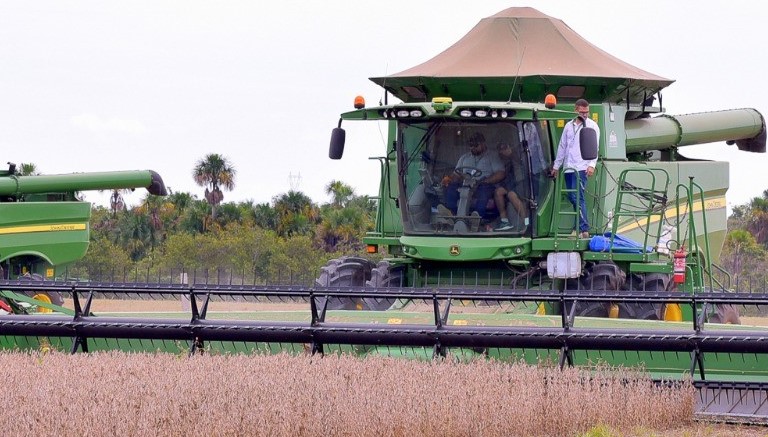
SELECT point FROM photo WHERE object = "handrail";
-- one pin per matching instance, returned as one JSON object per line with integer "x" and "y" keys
{"x": 646, "y": 210}
{"x": 702, "y": 270}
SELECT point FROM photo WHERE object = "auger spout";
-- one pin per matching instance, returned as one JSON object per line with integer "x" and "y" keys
{"x": 13, "y": 185}
{"x": 743, "y": 127}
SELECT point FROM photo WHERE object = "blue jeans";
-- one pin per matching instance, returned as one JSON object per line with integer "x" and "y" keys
{"x": 483, "y": 193}
{"x": 570, "y": 181}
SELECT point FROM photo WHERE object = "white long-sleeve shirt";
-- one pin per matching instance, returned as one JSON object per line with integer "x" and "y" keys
{"x": 569, "y": 150}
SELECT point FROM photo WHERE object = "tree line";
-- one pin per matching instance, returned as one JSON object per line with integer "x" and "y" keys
{"x": 288, "y": 236}
{"x": 745, "y": 252}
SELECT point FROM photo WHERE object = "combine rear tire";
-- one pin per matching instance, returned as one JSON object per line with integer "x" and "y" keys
{"x": 645, "y": 310}
{"x": 385, "y": 275}
{"x": 347, "y": 271}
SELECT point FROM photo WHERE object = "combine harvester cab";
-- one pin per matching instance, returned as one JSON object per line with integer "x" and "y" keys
{"x": 44, "y": 227}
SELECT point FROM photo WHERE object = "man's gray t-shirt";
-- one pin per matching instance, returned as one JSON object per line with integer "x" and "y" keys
{"x": 487, "y": 162}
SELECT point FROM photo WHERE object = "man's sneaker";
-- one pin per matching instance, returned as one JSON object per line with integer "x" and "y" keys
{"x": 584, "y": 235}
{"x": 474, "y": 221}
{"x": 503, "y": 225}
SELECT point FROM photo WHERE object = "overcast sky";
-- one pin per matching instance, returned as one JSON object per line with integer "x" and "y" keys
{"x": 124, "y": 85}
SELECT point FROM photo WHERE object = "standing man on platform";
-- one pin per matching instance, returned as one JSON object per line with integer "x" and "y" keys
{"x": 569, "y": 157}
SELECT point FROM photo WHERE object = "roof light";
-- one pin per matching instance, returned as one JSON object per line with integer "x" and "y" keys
{"x": 481, "y": 113}
{"x": 550, "y": 101}
{"x": 359, "y": 102}
{"x": 416, "y": 113}
{"x": 402, "y": 113}
{"x": 465, "y": 113}
{"x": 504, "y": 113}
{"x": 494, "y": 113}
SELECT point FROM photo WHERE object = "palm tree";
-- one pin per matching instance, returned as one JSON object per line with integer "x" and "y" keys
{"x": 265, "y": 216}
{"x": 160, "y": 212}
{"x": 296, "y": 213}
{"x": 28, "y": 169}
{"x": 181, "y": 201}
{"x": 135, "y": 234}
{"x": 214, "y": 172}
{"x": 340, "y": 192}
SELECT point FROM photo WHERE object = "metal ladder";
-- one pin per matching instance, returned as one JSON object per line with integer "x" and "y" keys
{"x": 555, "y": 229}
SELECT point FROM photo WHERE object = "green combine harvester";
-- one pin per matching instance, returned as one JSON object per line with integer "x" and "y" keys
{"x": 44, "y": 227}
{"x": 647, "y": 204}
{"x": 640, "y": 288}
{"x": 657, "y": 218}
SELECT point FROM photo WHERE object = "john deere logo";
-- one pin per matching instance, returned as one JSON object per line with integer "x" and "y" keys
{"x": 454, "y": 250}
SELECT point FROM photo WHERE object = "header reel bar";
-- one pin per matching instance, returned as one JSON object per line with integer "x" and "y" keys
{"x": 439, "y": 335}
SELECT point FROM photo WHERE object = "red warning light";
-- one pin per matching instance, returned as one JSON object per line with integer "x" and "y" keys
{"x": 550, "y": 101}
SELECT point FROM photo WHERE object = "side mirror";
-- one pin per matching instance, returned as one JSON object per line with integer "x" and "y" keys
{"x": 338, "y": 136}
{"x": 588, "y": 142}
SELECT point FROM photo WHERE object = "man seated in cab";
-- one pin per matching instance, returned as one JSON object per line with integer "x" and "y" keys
{"x": 483, "y": 168}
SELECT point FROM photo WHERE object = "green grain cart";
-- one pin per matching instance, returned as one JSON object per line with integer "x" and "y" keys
{"x": 647, "y": 204}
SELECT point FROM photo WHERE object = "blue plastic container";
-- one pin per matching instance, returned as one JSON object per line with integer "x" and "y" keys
{"x": 621, "y": 244}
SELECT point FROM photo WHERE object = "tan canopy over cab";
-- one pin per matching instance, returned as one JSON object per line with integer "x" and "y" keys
{"x": 521, "y": 54}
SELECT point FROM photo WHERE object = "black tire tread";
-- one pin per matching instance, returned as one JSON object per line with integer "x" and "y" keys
{"x": 384, "y": 275}
{"x": 347, "y": 271}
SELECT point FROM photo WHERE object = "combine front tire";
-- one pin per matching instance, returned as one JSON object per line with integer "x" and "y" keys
{"x": 385, "y": 275}
{"x": 347, "y": 271}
